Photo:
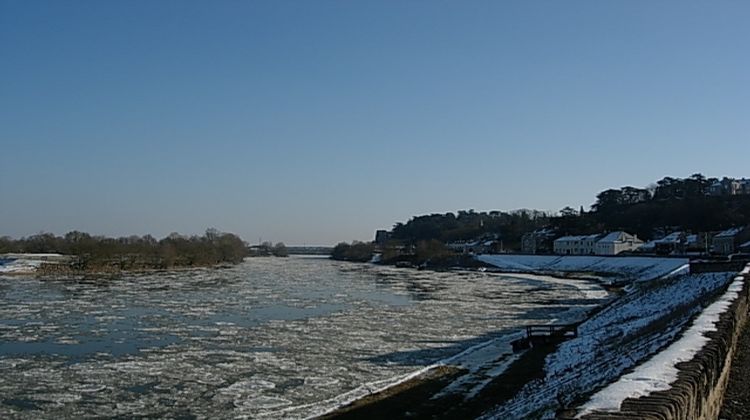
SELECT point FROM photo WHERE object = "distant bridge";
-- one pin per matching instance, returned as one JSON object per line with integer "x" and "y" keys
{"x": 309, "y": 250}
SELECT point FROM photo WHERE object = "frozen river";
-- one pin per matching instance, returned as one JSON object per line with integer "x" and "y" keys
{"x": 268, "y": 338}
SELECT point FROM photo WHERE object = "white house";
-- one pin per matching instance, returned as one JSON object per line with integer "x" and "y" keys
{"x": 616, "y": 242}
{"x": 472, "y": 247}
{"x": 602, "y": 244}
{"x": 728, "y": 241}
{"x": 575, "y": 245}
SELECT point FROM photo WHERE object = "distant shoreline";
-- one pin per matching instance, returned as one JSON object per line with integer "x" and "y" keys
{"x": 44, "y": 265}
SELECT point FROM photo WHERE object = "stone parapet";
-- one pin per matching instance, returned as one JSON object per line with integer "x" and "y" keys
{"x": 698, "y": 392}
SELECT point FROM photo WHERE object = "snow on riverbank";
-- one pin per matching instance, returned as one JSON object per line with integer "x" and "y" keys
{"x": 658, "y": 373}
{"x": 26, "y": 263}
{"x": 622, "y": 268}
{"x": 589, "y": 289}
{"x": 619, "y": 337}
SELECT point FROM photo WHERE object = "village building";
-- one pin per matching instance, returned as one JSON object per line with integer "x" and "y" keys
{"x": 602, "y": 244}
{"x": 480, "y": 246}
{"x": 576, "y": 245}
{"x": 678, "y": 243}
{"x": 729, "y": 186}
{"x": 716, "y": 188}
{"x": 381, "y": 237}
{"x": 672, "y": 243}
{"x": 538, "y": 241}
{"x": 734, "y": 187}
{"x": 745, "y": 186}
{"x": 729, "y": 241}
{"x": 617, "y": 242}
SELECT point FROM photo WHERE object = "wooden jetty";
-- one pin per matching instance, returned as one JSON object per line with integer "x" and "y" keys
{"x": 545, "y": 334}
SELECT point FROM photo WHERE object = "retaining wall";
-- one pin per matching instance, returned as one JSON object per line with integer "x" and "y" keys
{"x": 698, "y": 392}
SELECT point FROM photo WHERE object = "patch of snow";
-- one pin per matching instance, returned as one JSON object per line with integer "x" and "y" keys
{"x": 659, "y": 372}
{"x": 616, "y": 339}
{"x": 578, "y": 238}
{"x": 729, "y": 232}
{"x": 31, "y": 255}
{"x": 589, "y": 290}
{"x": 19, "y": 266}
{"x": 623, "y": 268}
{"x": 16, "y": 263}
{"x": 612, "y": 237}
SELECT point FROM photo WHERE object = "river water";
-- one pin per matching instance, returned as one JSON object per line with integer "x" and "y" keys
{"x": 269, "y": 338}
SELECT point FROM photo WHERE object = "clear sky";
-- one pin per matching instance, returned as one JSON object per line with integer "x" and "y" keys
{"x": 311, "y": 122}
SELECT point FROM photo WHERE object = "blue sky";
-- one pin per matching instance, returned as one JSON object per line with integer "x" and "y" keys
{"x": 311, "y": 122}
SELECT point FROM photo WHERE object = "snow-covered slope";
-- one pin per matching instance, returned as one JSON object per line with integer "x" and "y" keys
{"x": 660, "y": 371}
{"x": 621, "y": 336}
{"x": 620, "y": 268}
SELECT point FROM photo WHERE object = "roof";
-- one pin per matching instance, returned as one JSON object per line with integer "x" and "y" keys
{"x": 612, "y": 237}
{"x": 544, "y": 231}
{"x": 578, "y": 238}
{"x": 674, "y": 237}
{"x": 609, "y": 237}
{"x": 616, "y": 237}
{"x": 729, "y": 232}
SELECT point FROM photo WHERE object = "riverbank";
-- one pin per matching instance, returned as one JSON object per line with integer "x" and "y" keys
{"x": 425, "y": 396}
{"x": 547, "y": 380}
{"x": 30, "y": 263}
{"x": 620, "y": 270}
{"x": 52, "y": 265}
{"x": 479, "y": 377}
{"x": 616, "y": 271}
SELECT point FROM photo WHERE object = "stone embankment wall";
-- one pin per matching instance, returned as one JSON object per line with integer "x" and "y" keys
{"x": 701, "y": 382}
{"x": 713, "y": 266}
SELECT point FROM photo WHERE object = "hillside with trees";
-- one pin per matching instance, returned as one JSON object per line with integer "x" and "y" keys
{"x": 467, "y": 225}
{"x": 100, "y": 253}
{"x": 671, "y": 203}
{"x": 691, "y": 203}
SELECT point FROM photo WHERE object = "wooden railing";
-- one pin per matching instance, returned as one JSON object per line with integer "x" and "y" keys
{"x": 545, "y": 334}
{"x": 552, "y": 330}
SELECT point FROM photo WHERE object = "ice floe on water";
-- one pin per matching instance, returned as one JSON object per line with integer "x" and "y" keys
{"x": 266, "y": 339}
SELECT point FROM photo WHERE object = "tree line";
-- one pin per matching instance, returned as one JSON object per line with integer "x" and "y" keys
{"x": 95, "y": 253}
{"x": 268, "y": 249}
{"x": 669, "y": 204}
{"x": 468, "y": 225}
{"x": 355, "y": 252}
